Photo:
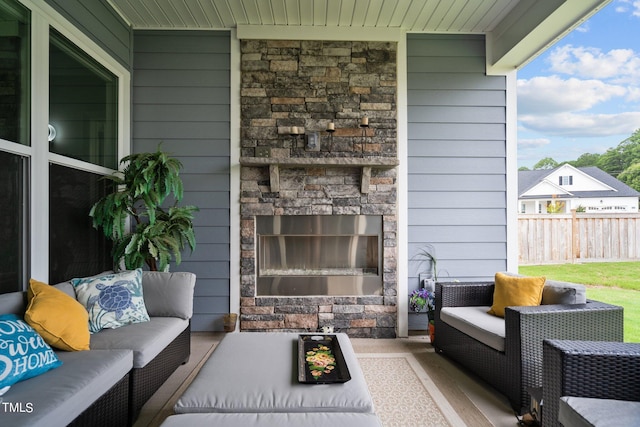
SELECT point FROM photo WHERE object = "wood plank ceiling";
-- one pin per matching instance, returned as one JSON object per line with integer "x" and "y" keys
{"x": 433, "y": 16}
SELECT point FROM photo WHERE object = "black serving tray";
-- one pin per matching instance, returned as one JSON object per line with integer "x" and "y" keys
{"x": 327, "y": 348}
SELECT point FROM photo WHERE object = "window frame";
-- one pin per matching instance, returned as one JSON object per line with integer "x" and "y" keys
{"x": 44, "y": 17}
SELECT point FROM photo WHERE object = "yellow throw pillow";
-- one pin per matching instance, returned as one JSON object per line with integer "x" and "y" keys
{"x": 61, "y": 320}
{"x": 515, "y": 291}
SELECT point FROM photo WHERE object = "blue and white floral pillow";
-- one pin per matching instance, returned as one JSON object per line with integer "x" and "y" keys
{"x": 112, "y": 300}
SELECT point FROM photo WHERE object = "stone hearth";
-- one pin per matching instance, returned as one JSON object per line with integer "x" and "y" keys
{"x": 307, "y": 85}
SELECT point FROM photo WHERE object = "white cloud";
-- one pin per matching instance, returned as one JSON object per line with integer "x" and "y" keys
{"x": 583, "y": 125}
{"x": 621, "y": 65}
{"x": 623, "y": 6}
{"x": 634, "y": 94}
{"x": 532, "y": 143}
{"x": 548, "y": 95}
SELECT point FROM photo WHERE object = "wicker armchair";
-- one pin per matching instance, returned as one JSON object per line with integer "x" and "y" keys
{"x": 595, "y": 369}
{"x": 519, "y": 367}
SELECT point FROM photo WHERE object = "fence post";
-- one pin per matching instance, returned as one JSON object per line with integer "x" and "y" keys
{"x": 575, "y": 236}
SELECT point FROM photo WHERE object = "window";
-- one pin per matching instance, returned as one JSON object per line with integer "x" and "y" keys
{"x": 83, "y": 105}
{"x": 48, "y": 185}
{"x": 76, "y": 249}
{"x": 566, "y": 180}
{"x": 13, "y": 216}
{"x": 14, "y": 72}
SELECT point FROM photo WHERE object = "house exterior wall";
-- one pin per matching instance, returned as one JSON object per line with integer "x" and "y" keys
{"x": 591, "y": 205}
{"x": 180, "y": 97}
{"x": 456, "y": 147}
{"x": 457, "y": 179}
{"x": 101, "y": 23}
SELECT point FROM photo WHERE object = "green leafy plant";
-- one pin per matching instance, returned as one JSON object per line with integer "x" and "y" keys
{"x": 157, "y": 235}
{"x": 426, "y": 255}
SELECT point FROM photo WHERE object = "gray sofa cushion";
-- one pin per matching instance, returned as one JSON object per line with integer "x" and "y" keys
{"x": 57, "y": 397}
{"x": 169, "y": 294}
{"x": 556, "y": 292}
{"x": 13, "y": 303}
{"x": 333, "y": 419}
{"x": 588, "y": 412}
{"x": 477, "y": 323}
{"x": 257, "y": 372}
{"x": 146, "y": 339}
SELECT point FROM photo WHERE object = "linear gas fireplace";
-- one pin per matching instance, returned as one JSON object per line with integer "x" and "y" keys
{"x": 305, "y": 255}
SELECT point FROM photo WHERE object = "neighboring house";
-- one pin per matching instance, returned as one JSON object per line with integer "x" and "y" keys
{"x": 437, "y": 82}
{"x": 586, "y": 189}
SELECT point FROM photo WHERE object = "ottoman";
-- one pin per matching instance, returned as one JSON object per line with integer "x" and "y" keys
{"x": 333, "y": 419}
{"x": 253, "y": 372}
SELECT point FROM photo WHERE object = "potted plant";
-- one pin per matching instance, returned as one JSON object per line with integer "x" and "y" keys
{"x": 424, "y": 297}
{"x": 421, "y": 299}
{"x": 157, "y": 234}
{"x": 426, "y": 256}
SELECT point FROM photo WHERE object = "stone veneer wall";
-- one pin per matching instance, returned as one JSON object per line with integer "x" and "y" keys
{"x": 309, "y": 84}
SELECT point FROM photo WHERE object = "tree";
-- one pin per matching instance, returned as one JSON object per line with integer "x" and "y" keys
{"x": 631, "y": 176}
{"x": 615, "y": 160}
{"x": 546, "y": 163}
{"x": 587, "y": 159}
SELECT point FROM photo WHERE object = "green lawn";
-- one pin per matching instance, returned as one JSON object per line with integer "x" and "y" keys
{"x": 611, "y": 282}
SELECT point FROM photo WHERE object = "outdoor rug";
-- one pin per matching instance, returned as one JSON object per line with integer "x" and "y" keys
{"x": 404, "y": 394}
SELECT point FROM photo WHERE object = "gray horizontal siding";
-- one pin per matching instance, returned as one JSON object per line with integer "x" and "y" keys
{"x": 98, "y": 20}
{"x": 457, "y": 158}
{"x": 181, "y": 93}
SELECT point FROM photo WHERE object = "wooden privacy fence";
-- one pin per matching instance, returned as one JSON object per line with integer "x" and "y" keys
{"x": 578, "y": 237}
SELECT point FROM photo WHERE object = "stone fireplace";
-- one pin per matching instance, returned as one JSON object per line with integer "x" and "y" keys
{"x": 291, "y": 93}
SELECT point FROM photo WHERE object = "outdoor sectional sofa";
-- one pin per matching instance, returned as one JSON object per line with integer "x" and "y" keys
{"x": 507, "y": 352}
{"x": 108, "y": 384}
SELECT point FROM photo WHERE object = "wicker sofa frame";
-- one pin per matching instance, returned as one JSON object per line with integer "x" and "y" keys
{"x": 596, "y": 369}
{"x": 146, "y": 381}
{"x": 111, "y": 409}
{"x": 519, "y": 367}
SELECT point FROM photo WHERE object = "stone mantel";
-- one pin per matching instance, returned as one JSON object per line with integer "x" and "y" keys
{"x": 366, "y": 163}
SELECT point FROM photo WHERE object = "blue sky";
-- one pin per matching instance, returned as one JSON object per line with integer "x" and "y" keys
{"x": 583, "y": 94}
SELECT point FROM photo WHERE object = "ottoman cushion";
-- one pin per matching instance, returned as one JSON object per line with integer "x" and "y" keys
{"x": 333, "y": 419}
{"x": 588, "y": 412}
{"x": 257, "y": 372}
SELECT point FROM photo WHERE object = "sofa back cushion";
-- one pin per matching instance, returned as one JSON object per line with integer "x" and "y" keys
{"x": 13, "y": 303}
{"x": 169, "y": 294}
{"x": 556, "y": 292}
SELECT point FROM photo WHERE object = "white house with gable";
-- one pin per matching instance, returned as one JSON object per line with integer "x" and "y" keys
{"x": 564, "y": 188}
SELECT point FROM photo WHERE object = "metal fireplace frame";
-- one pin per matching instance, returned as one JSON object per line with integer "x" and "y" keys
{"x": 319, "y": 255}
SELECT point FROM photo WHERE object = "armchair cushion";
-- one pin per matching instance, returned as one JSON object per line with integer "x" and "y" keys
{"x": 515, "y": 291}
{"x": 590, "y": 412}
{"x": 475, "y": 322}
{"x": 556, "y": 292}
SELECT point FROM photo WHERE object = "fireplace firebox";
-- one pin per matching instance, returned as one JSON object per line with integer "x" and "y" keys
{"x": 310, "y": 255}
